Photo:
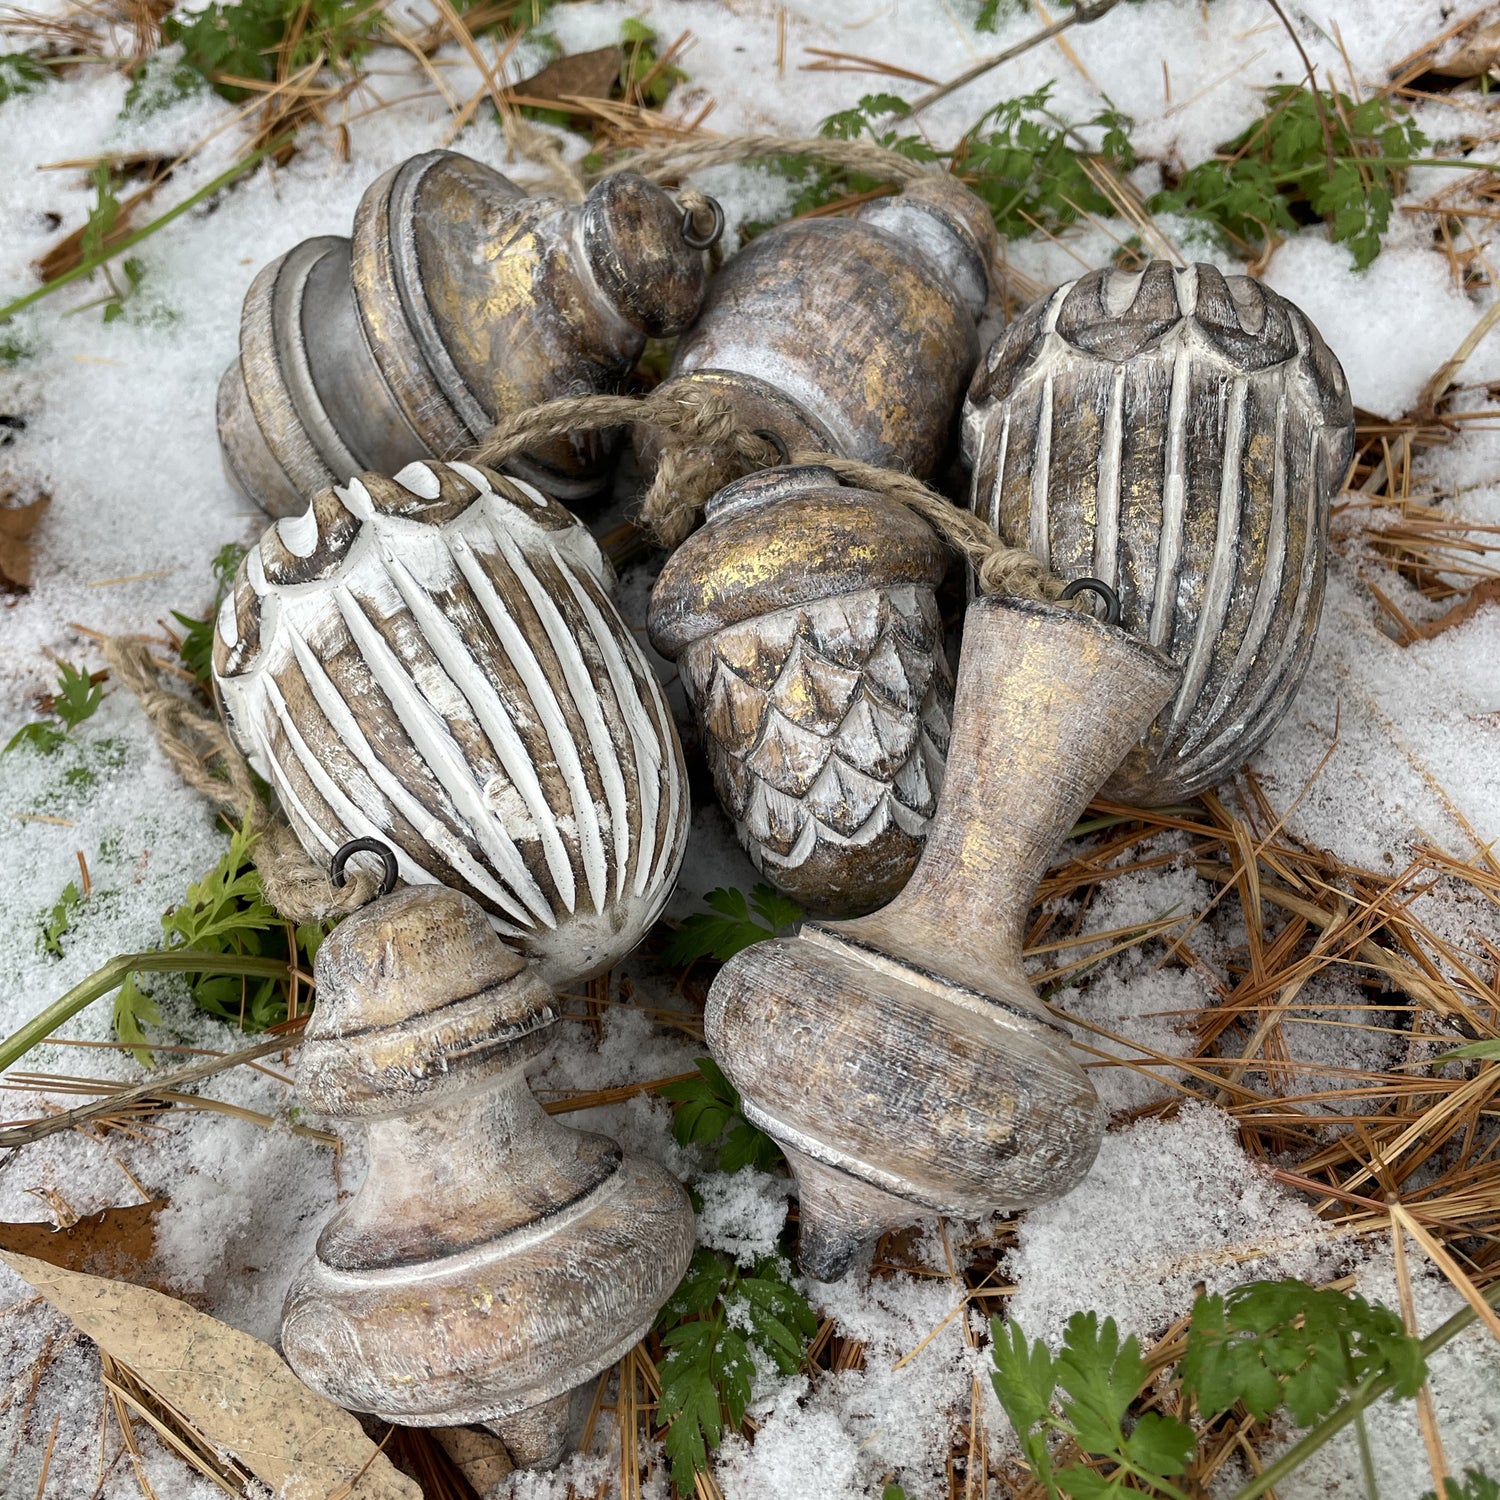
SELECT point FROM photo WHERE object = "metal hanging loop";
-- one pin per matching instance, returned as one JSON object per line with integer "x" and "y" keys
{"x": 690, "y": 236}
{"x": 777, "y": 442}
{"x": 1095, "y": 586}
{"x": 389, "y": 875}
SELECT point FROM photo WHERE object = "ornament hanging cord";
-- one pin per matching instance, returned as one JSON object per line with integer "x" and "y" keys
{"x": 197, "y": 744}
{"x": 707, "y": 447}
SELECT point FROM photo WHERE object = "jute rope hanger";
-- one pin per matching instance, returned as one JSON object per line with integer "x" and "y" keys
{"x": 708, "y": 447}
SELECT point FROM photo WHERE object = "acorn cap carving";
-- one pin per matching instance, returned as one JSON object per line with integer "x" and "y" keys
{"x": 820, "y": 540}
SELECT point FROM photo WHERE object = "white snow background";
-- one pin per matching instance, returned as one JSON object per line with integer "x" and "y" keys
{"x": 120, "y": 432}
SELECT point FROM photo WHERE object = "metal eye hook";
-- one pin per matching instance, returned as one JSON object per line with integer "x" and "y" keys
{"x": 777, "y": 442}
{"x": 389, "y": 876}
{"x": 690, "y": 236}
{"x": 1095, "y": 586}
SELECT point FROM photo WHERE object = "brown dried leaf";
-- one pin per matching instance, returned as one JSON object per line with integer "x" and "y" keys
{"x": 1473, "y": 55}
{"x": 236, "y": 1391}
{"x": 116, "y": 1243}
{"x": 479, "y": 1455}
{"x": 583, "y": 75}
{"x": 17, "y": 522}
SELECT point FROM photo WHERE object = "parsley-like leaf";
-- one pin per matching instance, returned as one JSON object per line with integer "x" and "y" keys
{"x": 708, "y": 1106}
{"x": 734, "y": 928}
{"x": 1475, "y": 1485}
{"x": 1283, "y": 1341}
{"x": 60, "y": 919}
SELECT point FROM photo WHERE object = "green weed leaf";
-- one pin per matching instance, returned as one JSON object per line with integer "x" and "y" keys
{"x": 732, "y": 925}
{"x": 707, "y": 1107}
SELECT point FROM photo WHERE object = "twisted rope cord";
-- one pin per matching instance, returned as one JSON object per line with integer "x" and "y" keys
{"x": 707, "y": 447}
{"x": 680, "y": 159}
{"x": 199, "y": 748}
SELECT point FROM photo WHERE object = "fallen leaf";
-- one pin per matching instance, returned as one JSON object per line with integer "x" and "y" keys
{"x": 478, "y": 1455}
{"x": 236, "y": 1391}
{"x": 17, "y": 522}
{"x": 582, "y": 75}
{"x": 1473, "y": 55}
{"x": 116, "y": 1243}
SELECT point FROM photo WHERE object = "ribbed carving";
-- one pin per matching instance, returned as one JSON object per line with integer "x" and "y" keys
{"x": 435, "y": 661}
{"x": 1179, "y": 435}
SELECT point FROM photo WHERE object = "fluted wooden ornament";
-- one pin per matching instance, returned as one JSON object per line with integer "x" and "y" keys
{"x": 435, "y": 661}
{"x": 803, "y": 621}
{"x": 854, "y": 335}
{"x": 460, "y": 300}
{"x": 901, "y": 1059}
{"x": 492, "y": 1260}
{"x": 1179, "y": 435}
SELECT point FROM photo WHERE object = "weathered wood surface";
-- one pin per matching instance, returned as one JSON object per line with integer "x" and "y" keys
{"x": 458, "y": 301}
{"x": 1181, "y": 436}
{"x": 902, "y": 1059}
{"x": 492, "y": 1260}
{"x": 435, "y": 661}
{"x": 855, "y": 334}
{"x": 803, "y": 621}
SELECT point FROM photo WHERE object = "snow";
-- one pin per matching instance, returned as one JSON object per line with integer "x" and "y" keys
{"x": 1385, "y": 744}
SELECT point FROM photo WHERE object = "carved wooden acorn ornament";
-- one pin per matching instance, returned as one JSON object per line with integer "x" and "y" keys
{"x": 803, "y": 621}
{"x": 1179, "y": 435}
{"x": 492, "y": 1260}
{"x": 902, "y": 1060}
{"x": 459, "y": 301}
{"x": 435, "y": 661}
{"x": 853, "y": 335}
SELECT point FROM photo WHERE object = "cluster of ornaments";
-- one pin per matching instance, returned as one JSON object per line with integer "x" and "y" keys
{"x": 427, "y": 654}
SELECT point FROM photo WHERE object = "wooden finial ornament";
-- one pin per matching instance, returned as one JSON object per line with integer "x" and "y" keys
{"x": 852, "y": 335}
{"x": 1180, "y": 435}
{"x": 803, "y": 621}
{"x": 492, "y": 1260}
{"x": 435, "y": 661}
{"x": 902, "y": 1060}
{"x": 459, "y": 301}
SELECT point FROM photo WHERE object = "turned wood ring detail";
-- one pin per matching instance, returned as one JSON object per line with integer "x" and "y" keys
{"x": 389, "y": 875}
{"x": 690, "y": 235}
{"x": 775, "y": 440}
{"x": 1095, "y": 586}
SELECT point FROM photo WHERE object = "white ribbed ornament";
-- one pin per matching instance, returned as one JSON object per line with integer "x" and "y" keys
{"x": 435, "y": 661}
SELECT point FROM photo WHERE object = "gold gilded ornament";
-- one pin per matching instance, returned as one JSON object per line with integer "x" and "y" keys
{"x": 851, "y": 335}
{"x": 459, "y": 301}
{"x": 803, "y": 622}
{"x": 902, "y": 1060}
{"x": 435, "y": 661}
{"x": 492, "y": 1260}
{"x": 1179, "y": 435}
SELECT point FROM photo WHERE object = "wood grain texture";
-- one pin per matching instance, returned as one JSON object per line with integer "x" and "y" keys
{"x": 435, "y": 661}
{"x": 492, "y": 1260}
{"x": 803, "y": 621}
{"x": 901, "y": 1059}
{"x": 458, "y": 301}
{"x": 855, "y": 334}
{"x": 1181, "y": 436}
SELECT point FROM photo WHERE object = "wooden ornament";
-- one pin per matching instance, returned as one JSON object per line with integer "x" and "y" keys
{"x": 803, "y": 622}
{"x": 902, "y": 1060}
{"x": 1179, "y": 435}
{"x": 852, "y": 335}
{"x": 492, "y": 1260}
{"x": 458, "y": 301}
{"x": 435, "y": 661}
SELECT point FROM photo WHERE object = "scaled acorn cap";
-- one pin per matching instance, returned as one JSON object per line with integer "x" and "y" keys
{"x": 804, "y": 626}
